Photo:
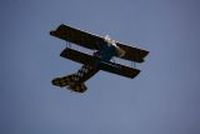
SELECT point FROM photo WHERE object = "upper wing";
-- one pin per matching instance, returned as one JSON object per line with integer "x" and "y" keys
{"x": 78, "y": 37}
{"x": 133, "y": 53}
{"x": 94, "y": 42}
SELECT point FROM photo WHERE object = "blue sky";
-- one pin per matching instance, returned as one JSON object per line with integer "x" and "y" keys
{"x": 164, "y": 98}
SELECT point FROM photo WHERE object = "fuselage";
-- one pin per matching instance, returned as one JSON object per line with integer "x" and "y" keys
{"x": 106, "y": 53}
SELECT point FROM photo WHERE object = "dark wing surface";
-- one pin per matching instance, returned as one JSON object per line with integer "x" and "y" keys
{"x": 133, "y": 53}
{"x": 119, "y": 69}
{"x": 79, "y": 57}
{"x": 97, "y": 62}
{"x": 82, "y": 38}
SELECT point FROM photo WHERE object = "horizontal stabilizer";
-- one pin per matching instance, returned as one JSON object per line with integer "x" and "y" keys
{"x": 63, "y": 81}
{"x": 70, "y": 83}
{"x": 78, "y": 87}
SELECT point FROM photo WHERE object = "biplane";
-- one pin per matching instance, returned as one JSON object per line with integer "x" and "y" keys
{"x": 103, "y": 48}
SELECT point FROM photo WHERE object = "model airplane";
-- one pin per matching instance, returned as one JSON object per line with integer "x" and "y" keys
{"x": 104, "y": 50}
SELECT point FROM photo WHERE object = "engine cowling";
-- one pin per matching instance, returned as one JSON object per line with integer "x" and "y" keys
{"x": 120, "y": 52}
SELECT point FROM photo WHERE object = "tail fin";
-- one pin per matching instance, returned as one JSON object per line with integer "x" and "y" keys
{"x": 63, "y": 81}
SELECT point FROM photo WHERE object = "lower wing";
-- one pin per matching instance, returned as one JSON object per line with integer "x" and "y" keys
{"x": 98, "y": 63}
